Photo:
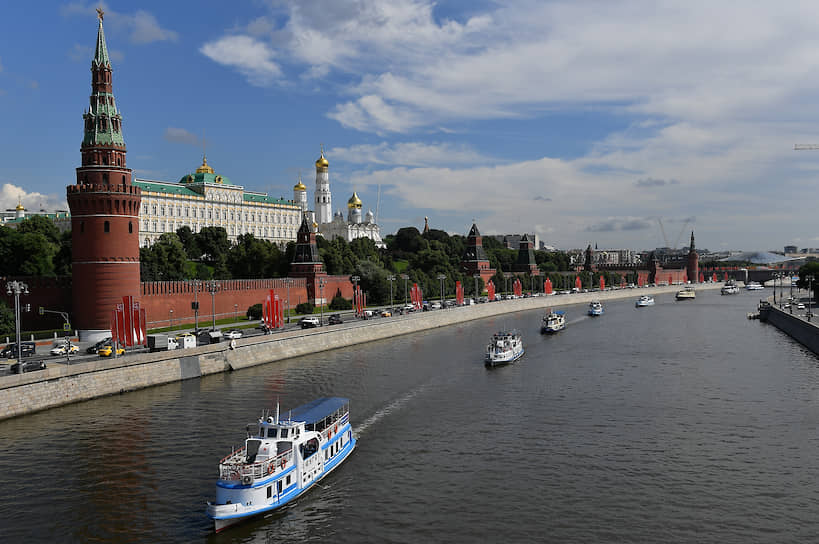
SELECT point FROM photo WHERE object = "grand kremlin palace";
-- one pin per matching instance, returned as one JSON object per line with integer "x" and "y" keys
{"x": 206, "y": 199}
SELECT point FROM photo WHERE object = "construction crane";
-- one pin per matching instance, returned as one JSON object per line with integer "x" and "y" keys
{"x": 805, "y": 147}
{"x": 665, "y": 238}
{"x": 662, "y": 229}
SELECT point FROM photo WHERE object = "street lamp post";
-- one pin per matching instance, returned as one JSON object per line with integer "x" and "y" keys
{"x": 235, "y": 312}
{"x": 321, "y": 281}
{"x": 775, "y": 277}
{"x": 170, "y": 318}
{"x": 17, "y": 288}
{"x": 355, "y": 280}
{"x": 213, "y": 288}
{"x": 405, "y": 278}
{"x": 810, "y": 279}
{"x": 195, "y": 305}
{"x": 476, "y": 277}
{"x": 442, "y": 277}
{"x": 287, "y": 282}
{"x": 391, "y": 279}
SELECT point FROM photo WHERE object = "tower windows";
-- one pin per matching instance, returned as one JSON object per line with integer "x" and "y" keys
{"x": 82, "y": 226}
{"x": 106, "y": 227}
{"x": 123, "y": 175}
{"x": 105, "y": 179}
{"x": 130, "y": 227}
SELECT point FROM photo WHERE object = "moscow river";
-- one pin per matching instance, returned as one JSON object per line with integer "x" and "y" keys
{"x": 682, "y": 422}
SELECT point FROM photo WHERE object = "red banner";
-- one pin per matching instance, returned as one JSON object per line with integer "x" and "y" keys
{"x": 702, "y": 278}
{"x": 518, "y": 288}
{"x": 547, "y": 286}
{"x": 578, "y": 283}
{"x": 714, "y": 278}
{"x": 459, "y": 293}
{"x": 490, "y": 289}
{"x": 602, "y": 284}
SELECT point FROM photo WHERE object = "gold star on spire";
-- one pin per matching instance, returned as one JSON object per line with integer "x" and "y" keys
{"x": 100, "y": 14}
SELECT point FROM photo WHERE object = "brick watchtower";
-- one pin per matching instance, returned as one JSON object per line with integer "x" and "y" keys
{"x": 693, "y": 265}
{"x": 306, "y": 261}
{"x": 525, "y": 262}
{"x": 475, "y": 260}
{"x": 104, "y": 209}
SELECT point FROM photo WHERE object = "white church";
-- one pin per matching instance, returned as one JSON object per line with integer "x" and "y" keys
{"x": 335, "y": 225}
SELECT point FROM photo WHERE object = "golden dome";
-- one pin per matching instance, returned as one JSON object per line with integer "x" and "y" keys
{"x": 20, "y": 207}
{"x": 322, "y": 162}
{"x": 204, "y": 169}
{"x": 354, "y": 201}
{"x": 315, "y": 225}
{"x": 299, "y": 186}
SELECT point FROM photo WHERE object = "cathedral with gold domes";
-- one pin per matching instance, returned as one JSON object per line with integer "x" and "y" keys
{"x": 336, "y": 226}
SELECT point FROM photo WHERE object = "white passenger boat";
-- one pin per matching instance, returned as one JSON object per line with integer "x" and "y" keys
{"x": 730, "y": 288}
{"x": 686, "y": 293}
{"x": 645, "y": 300}
{"x": 595, "y": 308}
{"x": 553, "y": 322}
{"x": 282, "y": 459}
{"x": 754, "y": 286}
{"x": 506, "y": 347}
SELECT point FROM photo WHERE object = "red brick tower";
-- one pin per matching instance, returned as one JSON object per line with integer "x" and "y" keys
{"x": 475, "y": 260}
{"x": 104, "y": 209}
{"x": 306, "y": 261}
{"x": 693, "y": 268}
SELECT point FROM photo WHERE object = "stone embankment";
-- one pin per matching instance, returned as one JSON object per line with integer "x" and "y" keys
{"x": 797, "y": 327}
{"x": 58, "y": 385}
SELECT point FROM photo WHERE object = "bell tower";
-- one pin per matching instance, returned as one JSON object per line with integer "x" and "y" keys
{"x": 104, "y": 209}
{"x": 693, "y": 264}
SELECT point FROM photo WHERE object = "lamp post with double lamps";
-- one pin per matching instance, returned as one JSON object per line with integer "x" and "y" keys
{"x": 810, "y": 279}
{"x": 17, "y": 288}
{"x": 321, "y": 281}
{"x": 355, "y": 280}
{"x": 287, "y": 282}
{"x": 170, "y": 319}
{"x": 405, "y": 277}
{"x": 213, "y": 288}
{"x": 391, "y": 279}
{"x": 442, "y": 277}
{"x": 195, "y": 304}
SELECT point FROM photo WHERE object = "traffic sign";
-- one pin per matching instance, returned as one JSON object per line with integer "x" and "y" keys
{"x": 41, "y": 310}
{"x": 67, "y": 327}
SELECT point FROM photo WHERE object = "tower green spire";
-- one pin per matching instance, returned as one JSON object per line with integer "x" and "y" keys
{"x": 101, "y": 55}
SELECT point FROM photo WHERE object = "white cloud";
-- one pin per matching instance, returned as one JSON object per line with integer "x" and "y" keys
{"x": 249, "y": 56}
{"x": 180, "y": 135}
{"x": 410, "y": 154}
{"x": 11, "y": 194}
{"x": 146, "y": 29}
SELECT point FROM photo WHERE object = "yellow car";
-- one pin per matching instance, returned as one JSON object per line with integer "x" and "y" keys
{"x": 107, "y": 351}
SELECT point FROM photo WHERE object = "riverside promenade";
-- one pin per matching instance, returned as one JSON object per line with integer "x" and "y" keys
{"x": 64, "y": 384}
{"x": 796, "y": 325}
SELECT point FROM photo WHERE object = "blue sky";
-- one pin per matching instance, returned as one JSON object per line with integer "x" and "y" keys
{"x": 583, "y": 121}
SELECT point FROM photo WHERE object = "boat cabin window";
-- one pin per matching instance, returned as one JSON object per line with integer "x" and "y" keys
{"x": 271, "y": 432}
{"x": 284, "y": 433}
{"x": 283, "y": 447}
{"x": 252, "y": 450}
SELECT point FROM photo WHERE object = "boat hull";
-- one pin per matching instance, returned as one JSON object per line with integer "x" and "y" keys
{"x": 227, "y": 515}
{"x": 505, "y": 360}
{"x": 551, "y": 330}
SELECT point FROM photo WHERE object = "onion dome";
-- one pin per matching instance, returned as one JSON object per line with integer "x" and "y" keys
{"x": 20, "y": 207}
{"x": 299, "y": 186}
{"x": 322, "y": 163}
{"x": 354, "y": 201}
{"x": 204, "y": 169}
{"x": 369, "y": 217}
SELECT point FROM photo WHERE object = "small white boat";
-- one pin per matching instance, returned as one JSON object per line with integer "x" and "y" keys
{"x": 506, "y": 347}
{"x": 553, "y": 322}
{"x": 644, "y": 300}
{"x": 686, "y": 293}
{"x": 595, "y": 308}
{"x": 281, "y": 460}
{"x": 754, "y": 286}
{"x": 730, "y": 288}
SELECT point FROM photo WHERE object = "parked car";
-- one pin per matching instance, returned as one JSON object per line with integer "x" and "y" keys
{"x": 386, "y": 313}
{"x": 233, "y": 335}
{"x": 28, "y": 366}
{"x": 334, "y": 319}
{"x": 61, "y": 349}
{"x": 108, "y": 351}
{"x": 96, "y": 347}
{"x": 27, "y": 350}
{"x": 309, "y": 322}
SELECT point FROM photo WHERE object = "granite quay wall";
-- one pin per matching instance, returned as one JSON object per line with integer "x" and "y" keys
{"x": 58, "y": 385}
{"x": 803, "y": 331}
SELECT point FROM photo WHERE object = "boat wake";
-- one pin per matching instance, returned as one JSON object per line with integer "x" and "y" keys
{"x": 387, "y": 410}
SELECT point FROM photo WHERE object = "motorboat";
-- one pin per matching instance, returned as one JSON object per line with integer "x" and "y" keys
{"x": 595, "y": 308}
{"x": 281, "y": 459}
{"x": 553, "y": 322}
{"x": 686, "y": 293}
{"x": 504, "y": 348}
{"x": 644, "y": 300}
{"x": 730, "y": 288}
{"x": 754, "y": 286}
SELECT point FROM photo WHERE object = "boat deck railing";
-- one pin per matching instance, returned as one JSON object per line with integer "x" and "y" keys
{"x": 233, "y": 466}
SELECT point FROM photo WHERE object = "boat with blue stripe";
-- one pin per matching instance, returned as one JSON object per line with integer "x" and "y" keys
{"x": 282, "y": 459}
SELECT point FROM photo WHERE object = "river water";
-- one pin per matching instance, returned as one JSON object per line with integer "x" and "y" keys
{"x": 682, "y": 422}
